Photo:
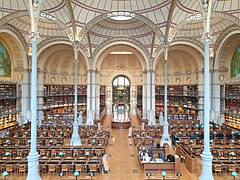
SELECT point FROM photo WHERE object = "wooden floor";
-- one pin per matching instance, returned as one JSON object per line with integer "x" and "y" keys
{"x": 124, "y": 163}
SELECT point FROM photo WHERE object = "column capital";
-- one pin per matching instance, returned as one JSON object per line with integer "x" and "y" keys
{"x": 206, "y": 36}
{"x": 34, "y": 35}
{"x": 75, "y": 61}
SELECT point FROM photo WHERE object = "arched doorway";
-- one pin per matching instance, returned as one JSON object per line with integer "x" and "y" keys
{"x": 121, "y": 98}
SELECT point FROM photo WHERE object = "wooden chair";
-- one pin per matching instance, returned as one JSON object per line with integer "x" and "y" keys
{"x": 231, "y": 168}
{"x": 80, "y": 168}
{"x": 93, "y": 168}
{"x": 217, "y": 169}
{"x": 65, "y": 168}
{"x": 9, "y": 168}
{"x": 52, "y": 168}
{"x": 22, "y": 169}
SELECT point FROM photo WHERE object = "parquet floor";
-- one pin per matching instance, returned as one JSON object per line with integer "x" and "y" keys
{"x": 123, "y": 162}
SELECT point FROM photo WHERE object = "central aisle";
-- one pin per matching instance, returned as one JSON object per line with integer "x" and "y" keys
{"x": 123, "y": 162}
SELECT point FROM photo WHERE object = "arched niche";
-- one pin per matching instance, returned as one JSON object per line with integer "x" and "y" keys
{"x": 57, "y": 63}
{"x": 184, "y": 62}
{"x": 224, "y": 55}
{"x": 17, "y": 55}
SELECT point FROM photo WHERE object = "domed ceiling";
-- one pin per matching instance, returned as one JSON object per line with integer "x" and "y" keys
{"x": 150, "y": 22}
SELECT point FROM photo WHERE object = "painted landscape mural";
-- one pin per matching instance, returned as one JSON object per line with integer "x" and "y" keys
{"x": 235, "y": 66}
{"x": 5, "y": 62}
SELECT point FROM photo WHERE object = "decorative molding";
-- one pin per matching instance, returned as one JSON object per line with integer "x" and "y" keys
{"x": 224, "y": 34}
{"x": 104, "y": 16}
{"x": 121, "y": 38}
{"x": 52, "y": 39}
{"x": 18, "y": 33}
{"x": 191, "y": 40}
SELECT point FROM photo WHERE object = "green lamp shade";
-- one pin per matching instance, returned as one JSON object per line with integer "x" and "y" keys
{"x": 216, "y": 126}
{"x": 5, "y": 173}
{"x": 232, "y": 141}
{"x": 180, "y": 132}
{"x": 76, "y": 173}
{"x": 61, "y": 132}
{"x": 196, "y": 125}
{"x": 171, "y": 126}
{"x": 191, "y": 141}
{"x": 87, "y": 153}
{"x": 232, "y": 132}
{"x": 211, "y": 141}
{"x": 214, "y": 132}
{"x": 7, "y": 141}
{"x": 164, "y": 174}
{"x": 234, "y": 174}
{"x": 26, "y": 132}
{"x": 60, "y": 153}
{"x": 7, "y": 133}
{"x": 186, "y": 126}
{"x": 196, "y": 132}
{"x": 29, "y": 141}
{"x": 44, "y": 132}
{"x": 93, "y": 140}
{"x": 50, "y": 140}
{"x": 7, "y": 154}
{"x": 232, "y": 153}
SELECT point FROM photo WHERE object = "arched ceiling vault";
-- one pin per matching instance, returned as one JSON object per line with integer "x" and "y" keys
{"x": 153, "y": 20}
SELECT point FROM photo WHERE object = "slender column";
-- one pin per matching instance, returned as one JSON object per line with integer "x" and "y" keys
{"x": 33, "y": 155}
{"x": 152, "y": 120}
{"x": 75, "y": 140}
{"x": 25, "y": 96}
{"x": 206, "y": 7}
{"x": 165, "y": 136}
{"x": 97, "y": 90}
{"x": 90, "y": 95}
{"x": 144, "y": 95}
{"x": 34, "y": 8}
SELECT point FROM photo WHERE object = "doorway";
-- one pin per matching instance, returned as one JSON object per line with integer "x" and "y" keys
{"x": 121, "y": 97}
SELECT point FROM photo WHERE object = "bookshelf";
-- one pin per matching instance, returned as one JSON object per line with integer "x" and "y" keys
{"x": 139, "y": 98}
{"x": 8, "y": 105}
{"x": 59, "y": 101}
{"x": 182, "y": 102}
{"x": 232, "y": 104}
{"x": 102, "y": 97}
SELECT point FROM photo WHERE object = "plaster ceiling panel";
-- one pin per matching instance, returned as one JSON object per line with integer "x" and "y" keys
{"x": 228, "y": 6}
{"x": 11, "y": 6}
{"x": 58, "y": 9}
{"x": 194, "y": 28}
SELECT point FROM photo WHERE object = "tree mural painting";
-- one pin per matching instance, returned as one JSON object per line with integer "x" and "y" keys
{"x": 235, "y": 66}
{"x": 5, "y": 62}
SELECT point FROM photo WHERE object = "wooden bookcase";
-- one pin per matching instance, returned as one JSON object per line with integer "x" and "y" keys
{"x": 59, "y": 101}
{"x": 102, "y": 97}
{"x": 182, "y": 102}
{"x": 139, "y": 98}
{"x": 232, "y": 105}
{"x": 8, "y": 105}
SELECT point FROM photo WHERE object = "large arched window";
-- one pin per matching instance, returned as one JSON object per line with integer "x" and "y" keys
{"x": 121, "y": 94}
{"x": 235, "y": 65}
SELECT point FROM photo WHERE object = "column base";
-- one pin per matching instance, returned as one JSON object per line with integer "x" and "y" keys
{"x": 75, "y": 141}
{"x": 165, "y": 140}
{"x": 33, "y": 166}
{"x": 206, "y": 166}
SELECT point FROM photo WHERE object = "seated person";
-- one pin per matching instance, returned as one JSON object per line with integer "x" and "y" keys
{"x": 170, "y": 158}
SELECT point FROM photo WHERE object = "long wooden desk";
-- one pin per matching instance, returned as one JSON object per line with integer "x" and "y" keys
{"x": 190, "y": 160}
{"x": 162, "y": 166}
